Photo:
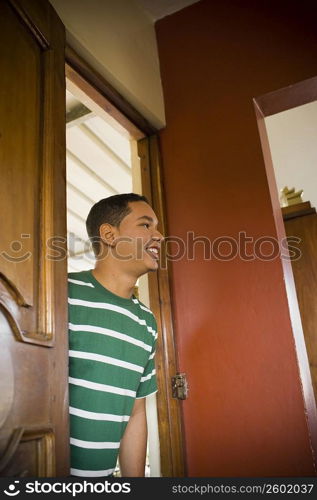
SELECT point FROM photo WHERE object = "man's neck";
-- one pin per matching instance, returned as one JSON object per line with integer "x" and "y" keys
{"x": 115, "y": 281}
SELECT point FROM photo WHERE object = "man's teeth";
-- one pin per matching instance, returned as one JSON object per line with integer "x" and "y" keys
{"x": 153, "y": 250}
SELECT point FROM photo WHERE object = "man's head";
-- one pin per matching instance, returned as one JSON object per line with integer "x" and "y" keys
{"x": 124, "y": 226}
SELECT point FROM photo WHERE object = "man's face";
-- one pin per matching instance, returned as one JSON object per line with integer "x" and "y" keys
{"x": 137, "y": 242}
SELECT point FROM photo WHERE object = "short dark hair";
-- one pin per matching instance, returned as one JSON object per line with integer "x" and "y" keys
{"x": 111, "y": 210}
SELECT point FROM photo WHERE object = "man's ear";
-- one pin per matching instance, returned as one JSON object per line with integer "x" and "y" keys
{"x": 107, "y": 234}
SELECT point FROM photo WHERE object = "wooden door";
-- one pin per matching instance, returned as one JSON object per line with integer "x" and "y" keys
{"x": 33, "y": 299}
{"x": 300, "y": 221}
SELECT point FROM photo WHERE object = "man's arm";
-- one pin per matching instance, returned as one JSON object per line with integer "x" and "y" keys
{"x": 133, "y": 444}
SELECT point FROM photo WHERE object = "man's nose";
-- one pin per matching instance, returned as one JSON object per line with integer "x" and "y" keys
{"x": 158, "y": 236}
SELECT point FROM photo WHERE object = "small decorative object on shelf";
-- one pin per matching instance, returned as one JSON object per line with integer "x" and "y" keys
{"x": 290, "y": 196}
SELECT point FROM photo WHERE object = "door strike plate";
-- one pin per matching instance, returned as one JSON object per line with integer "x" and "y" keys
{"x": 179, "y": 386}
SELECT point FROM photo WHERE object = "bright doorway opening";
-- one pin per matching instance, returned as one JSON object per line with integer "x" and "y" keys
{"x": 101, "y": 160}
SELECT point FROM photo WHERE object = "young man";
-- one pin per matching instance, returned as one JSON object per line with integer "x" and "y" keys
{"x": 112, "y": 338}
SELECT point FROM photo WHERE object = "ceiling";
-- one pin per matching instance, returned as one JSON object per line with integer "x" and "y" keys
{"x": 98, "y": 160}
{"x": 157, "y": 9}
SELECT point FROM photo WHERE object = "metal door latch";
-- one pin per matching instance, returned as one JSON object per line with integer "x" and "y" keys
{"x": 179, "y": 386}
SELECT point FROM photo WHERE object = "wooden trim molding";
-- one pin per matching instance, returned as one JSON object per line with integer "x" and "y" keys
{"x": 94, "y": 85}
{"x": 266, "y": 105}
{"x": 169, "y": 411}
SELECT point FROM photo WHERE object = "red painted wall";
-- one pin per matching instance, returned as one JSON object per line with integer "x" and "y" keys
{"x": 245, "y": 415}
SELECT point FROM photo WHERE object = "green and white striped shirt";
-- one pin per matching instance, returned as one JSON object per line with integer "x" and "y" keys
{"x": 111, "y": 363}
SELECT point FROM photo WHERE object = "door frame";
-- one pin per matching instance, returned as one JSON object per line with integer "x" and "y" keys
{"x": 266, "y": 105}
{"x": 99, "y": 95}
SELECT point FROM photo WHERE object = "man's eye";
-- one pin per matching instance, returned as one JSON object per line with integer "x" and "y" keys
{"x": 146, "y": 224}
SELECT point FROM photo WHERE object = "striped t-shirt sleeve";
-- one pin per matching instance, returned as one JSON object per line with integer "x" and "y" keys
{"x": 148, "y": 383}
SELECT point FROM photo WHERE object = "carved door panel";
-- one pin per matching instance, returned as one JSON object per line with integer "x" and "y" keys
{"x": 33, "y": 299}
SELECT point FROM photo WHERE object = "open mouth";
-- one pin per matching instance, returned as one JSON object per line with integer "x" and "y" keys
{"x": 153, "y": 252}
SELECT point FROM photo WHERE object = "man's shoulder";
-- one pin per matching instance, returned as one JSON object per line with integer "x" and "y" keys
{"x": 78, "y": 275}
{"x": 143, "y": 306}
{"x": 146, "y": 311}
{"x": 79, "y": 280}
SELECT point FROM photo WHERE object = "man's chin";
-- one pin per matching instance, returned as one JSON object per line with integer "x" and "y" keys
{"x": 152, "y": 270}
{"x": 148, "y": 267}
{"x": 152, "y": 266}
